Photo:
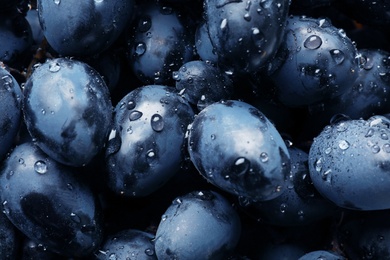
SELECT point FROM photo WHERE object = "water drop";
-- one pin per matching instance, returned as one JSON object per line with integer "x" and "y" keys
{"x": 140, "y": 48}
{"x": 130, "y": 105}
{"x": 386, "y": 148}
{"x": 176, "y": 75}
{"x": 257, "y": 37}
{"x": 69, "y": 186}
{"x": 223, "y": 24}
{"x": 134, "y": 115}
{"x": 40, "y": 167}
{"x": 43, "y": 111}
{"x": 313, "y": 42}
{"x": 328, "y": 150}
{"x": 75, "y": 218}
{"x": 164, "y": 217}
{"x": 144, "y": 24}
{"x": 264, "y": 157}
{"x": 213, "y": 137}
{"x": 318, "y": 165}
{"x": 375, "y": 149}
{"x": 283, "y": 207}
{"x": 247, "y": 17}
{"x": 343, "y": 145}
{"x": 241, "y": 166}
{"x": 21, "y": 160}
{"x": 326, "y": 175}
{"x": 157, "y": 122}
{"x": 112, "y": 257}
{"x": 149, "y": 251}
{"x": 384, "y": 136}
{"x": 370, "y": 132}
{"x": 151, "y": 153}
{"x": 57, "y": 2}
{"x": 54, "y": 66}
{"x": 337, "y": 56}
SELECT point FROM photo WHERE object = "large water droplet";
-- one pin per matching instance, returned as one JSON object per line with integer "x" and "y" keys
{"x": 157, "y": 122}
{"x": 337, "y": 55}
{"x": 326, "y": 176}
{"x": 313, "y": 42}
{"x": 75, "y": 218}
{"x": 40, "y": 167}
{"x": 134, "y": 115}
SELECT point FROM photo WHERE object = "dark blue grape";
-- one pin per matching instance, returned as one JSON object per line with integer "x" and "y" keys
{"x": 349, "y": 163}
{"x": 322, "y": 254}
{"x": 146, "y": 145}
{"x": 245, "y": 34}
{"x": 10, "y": 107}
{"x": 67, "y": 110}
{"x": 318, "y": 62}
{"x": 49, "y": 203}
{"x": 202, "y": 84}
{"x": 160, "y": 44}
{"x": 128, "y": 244}
{"x": 198, "y": 225}
{"x": 235, "y": 147}
{"x": 300, "y": 204}
{"x": 82, "y": 28}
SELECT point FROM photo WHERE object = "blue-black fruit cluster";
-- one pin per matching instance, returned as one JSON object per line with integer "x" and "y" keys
{"x": 203, "y": 129}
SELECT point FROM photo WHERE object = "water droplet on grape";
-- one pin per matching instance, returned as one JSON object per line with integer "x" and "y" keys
{"x": 313, "y": 42}
{"x": 40, "y": 167}
{"x": 140, "y": 48}
{"x": 134, "y": 115}
{"x": 343, "y": 145}
{"x": 157, "y": 122}
{"x": 337, "y": 55}
{"x": 54, "y": 66}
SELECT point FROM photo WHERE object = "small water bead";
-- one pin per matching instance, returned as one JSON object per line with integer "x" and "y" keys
{"x": 21, "y": 160}
{"x": 283, "y": 207}
{"x": 164, "y": 217}
{"x": 112, "y": 257}
{"x": 151, "y": 153}
{"x": 247, "y": 17}
{"x": 264, "y": 157}
{"x": 40, "y": 167}
{"x": 176, "y": 75}
{"x": 328, "y": 150}
{"x": 313, "y": 42}
{"x": 223, "y": 24}
{"x": 130, "y": 105}
{"x": 375, "y": 149}
{"x": 149, "y": 251}
{"x": 134, "y": 115}
{"x": 386, "y": 148}
{"x": 384, "y": 136}
{"x": 318, "y": 165}
{"x": 144, "y": 24}
{"x": 337, "y": 56}
{"x": 43, "y": 111}
{"x": 54, "y": 67}
{"x": 370, "y": 132}
{"x": 343, "y": 145}
{"x": 326, "y": 175}
{"x": 213, "y": 137}
{"x": 57, "y": 2}
{"x": 140, "y": 48}
{"x": 157, "y": 122}
{"x": 258, "y": 37}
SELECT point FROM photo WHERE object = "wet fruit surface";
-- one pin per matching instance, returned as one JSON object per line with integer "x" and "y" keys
{"x": 194, "y": 129}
